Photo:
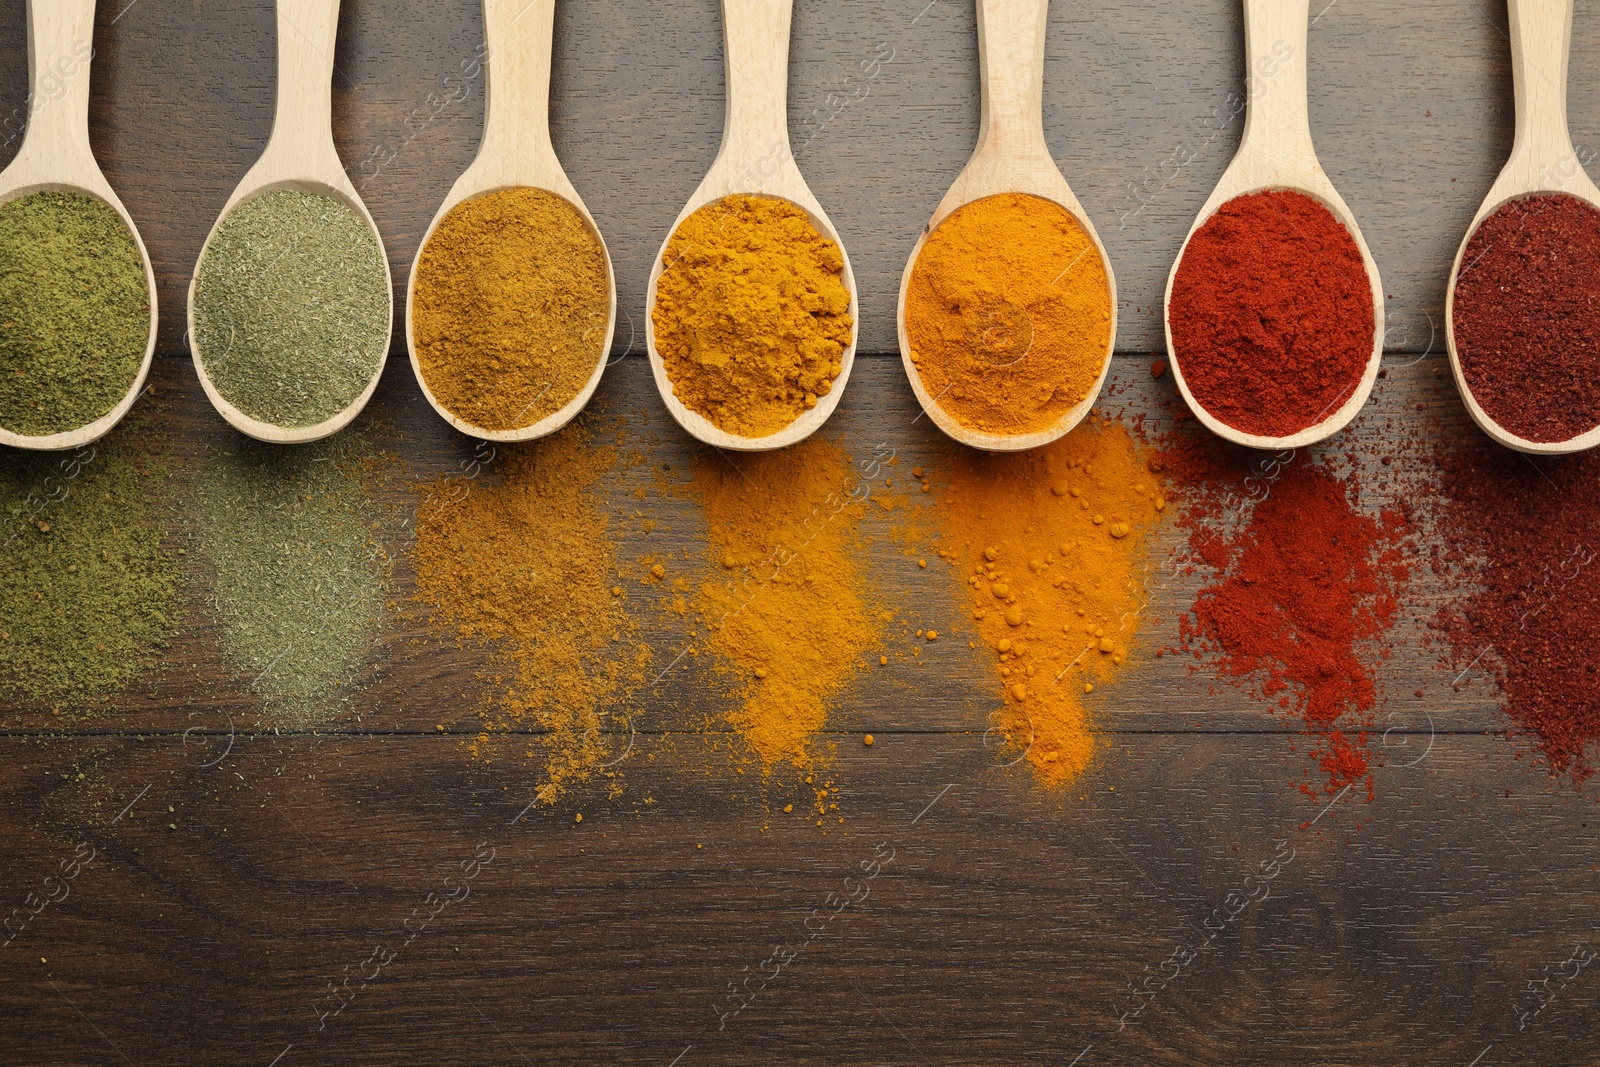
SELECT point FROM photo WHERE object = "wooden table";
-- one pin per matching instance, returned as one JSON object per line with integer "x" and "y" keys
{"x": 248, "y": 871}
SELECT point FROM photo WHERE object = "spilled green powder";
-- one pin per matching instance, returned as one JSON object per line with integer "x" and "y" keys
{"x": 292, "y": 307}
{"x": 74, "y": 312}
{"x": 87, "y": 594}
{"x": 298, "y": 574}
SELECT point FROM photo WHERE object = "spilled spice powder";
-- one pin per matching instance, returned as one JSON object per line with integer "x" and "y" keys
{"x": 521, "y": 562}
{"x": 752, "y": 316}
{"x": 1052, "y": 545}
{"x": 1303, "y": 596}
{"x": 88, "y": 596}
{"x": 511, "y": 308}
{"x": 1524, "y": 544}
{"x": 789, "y": 617}
{"x": 1009, "y": 314}
{"x": 292, "y": 550}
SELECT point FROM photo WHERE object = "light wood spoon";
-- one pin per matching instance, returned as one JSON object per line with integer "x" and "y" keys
{"x": 1542, "y": 161}
{"x": 516, "y": 152}
{"x": 755, "y": 159}
{"x": 55, "y": 156}
{"x": 299, "y": 155}
{"x": 1275, "y": 153}
{"x": 1012, "y": 157}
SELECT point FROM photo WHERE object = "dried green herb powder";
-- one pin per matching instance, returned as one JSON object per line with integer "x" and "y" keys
{"x": 290, "y": 542}
{"x": 74, "y": 312}
{"x": 292, "y": 307}
{"x": 87, "y": 594}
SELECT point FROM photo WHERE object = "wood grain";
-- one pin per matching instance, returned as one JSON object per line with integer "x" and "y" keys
{"x": 1008, "y": 925}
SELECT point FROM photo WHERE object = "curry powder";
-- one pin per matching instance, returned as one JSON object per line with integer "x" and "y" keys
{"x": 511, "y": 308}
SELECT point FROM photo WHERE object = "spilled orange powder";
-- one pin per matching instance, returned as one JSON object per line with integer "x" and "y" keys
{"x": 787, "y": 616}
{"x": 1052, "y": 547}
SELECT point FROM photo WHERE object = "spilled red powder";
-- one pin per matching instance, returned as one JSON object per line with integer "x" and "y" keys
{"x": 1523, "y": 534}
{"x": 1304, "y": 594}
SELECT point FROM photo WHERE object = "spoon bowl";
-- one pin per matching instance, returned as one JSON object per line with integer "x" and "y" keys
{"x": 755, "y": 159}
{"x": 516, "y": 153}
{"x": 1012, "y": 156}
{"x": 56, "y": 157}
{"x": 1276, "y": 154}
{"x": 300, "y": 156}
{"x": 1542, "y": 160}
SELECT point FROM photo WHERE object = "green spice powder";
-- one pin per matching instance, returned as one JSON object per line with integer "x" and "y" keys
{"x": 87, "y": 594}
{"x": 292, "y": 307}
{"x": 298, "y": 574}
{"x": 74, "y": 312}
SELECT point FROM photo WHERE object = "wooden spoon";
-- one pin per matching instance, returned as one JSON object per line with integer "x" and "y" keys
{"x": 516, "y": 152}
{"x": 1542, "y": 161}
{"x": 1011, "y": 157}
{"x": 300, "y": 155}
{"x": 755, "y": 159}
{"x": 1276, "y": 153}
{"x": 55, "y": 156}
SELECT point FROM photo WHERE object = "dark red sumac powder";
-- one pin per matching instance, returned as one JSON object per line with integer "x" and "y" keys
{"x": 1527, "y": 543}
{"x": 1304, "y": 594}
{"x": 1527, "y": 316}
{"x": 1271, "y": 314}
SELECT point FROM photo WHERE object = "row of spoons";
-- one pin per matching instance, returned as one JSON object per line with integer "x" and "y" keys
{"x": 1012, "y": 156}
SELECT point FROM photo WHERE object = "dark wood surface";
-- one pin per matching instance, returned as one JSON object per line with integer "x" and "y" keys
{"x": 238, "y": 875}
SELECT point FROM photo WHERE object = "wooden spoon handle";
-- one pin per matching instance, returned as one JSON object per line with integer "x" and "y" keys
{"x": 519, "y": 34}
{"x": 756, "y": 40}
{"x": 1541, "y": 39}
{"x": 1011, "y": 58}
{"x": 60, "y": 45}
{"x": 306, "y": 33}
{"x": 1278, "y": 121}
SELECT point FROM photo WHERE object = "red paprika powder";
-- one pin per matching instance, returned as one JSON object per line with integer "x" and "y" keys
{"x": 1526, "y": 543}
{"x": 1303, "y": 595}
{"x": 1526, "y": 316}
{"x": 1271, "y": 314}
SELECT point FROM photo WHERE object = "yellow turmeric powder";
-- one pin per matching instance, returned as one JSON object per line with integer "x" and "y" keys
{"x": 1008, "y": 314}
{"x": 517, "y": 556}
{"x": 787, "y": 614}
{"x": 1051, "y": 547}
{"x": 752, "y": 316}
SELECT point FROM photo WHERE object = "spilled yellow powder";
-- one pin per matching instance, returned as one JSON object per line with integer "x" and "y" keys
{"x": 1051, "y": 545}
{"x": 519, "y": 559}
{"x": 787, "y": 614}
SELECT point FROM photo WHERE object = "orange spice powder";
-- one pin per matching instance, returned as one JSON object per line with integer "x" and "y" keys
{"x": 1052, "y": 546}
